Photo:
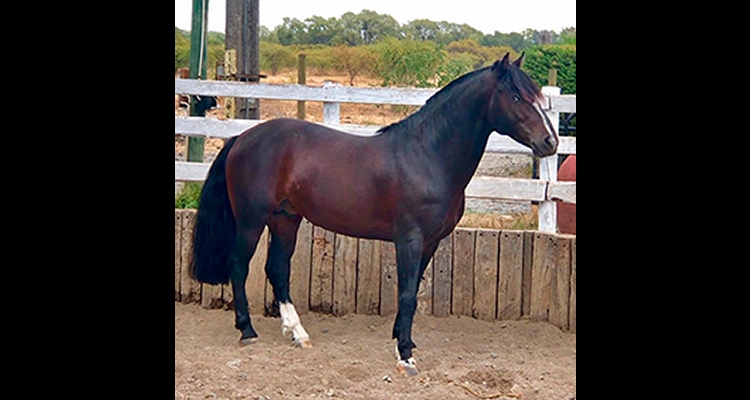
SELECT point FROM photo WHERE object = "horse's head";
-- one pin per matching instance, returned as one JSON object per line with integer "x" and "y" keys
{"x": 516, "y": 108}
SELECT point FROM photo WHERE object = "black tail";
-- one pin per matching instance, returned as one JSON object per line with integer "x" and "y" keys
{"x": 214, "y": 235}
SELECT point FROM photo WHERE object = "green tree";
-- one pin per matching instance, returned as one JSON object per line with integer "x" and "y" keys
{"x": 291, "y": 31}
{"x": 567, "y": 36}
{"x": 421, "y": 29}
{"x": 322, "y": 31}
{"x": 540, "y": 59}
{"x": 368, "y": 27}
{"x": 482, "y": 55}
{"x": 354, "y": 60}
{"x": 409, "y": 62}
{"x": 274, "y": 56}
{"x": 181, "y": 48}
{"x": 514, "y": 40}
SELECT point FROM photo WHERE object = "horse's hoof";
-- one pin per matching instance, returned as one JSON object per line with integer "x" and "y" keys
{"x": 248, "y": 340}
{"x": 303, "y": 343}
{"x": 287, "y": 332}
{"x": 408, "y": 367}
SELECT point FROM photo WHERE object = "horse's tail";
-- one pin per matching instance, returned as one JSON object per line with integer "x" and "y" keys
{"x": 214, "y": 235}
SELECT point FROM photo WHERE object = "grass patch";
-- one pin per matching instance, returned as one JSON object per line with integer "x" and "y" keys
{"x": 189, "y": 196}
{"x": 520, "y": 222}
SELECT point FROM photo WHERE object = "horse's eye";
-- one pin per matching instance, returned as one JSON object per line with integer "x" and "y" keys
{"x": 516, "y": 98}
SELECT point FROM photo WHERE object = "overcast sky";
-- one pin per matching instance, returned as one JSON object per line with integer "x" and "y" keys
{"x": 488, "y": 16}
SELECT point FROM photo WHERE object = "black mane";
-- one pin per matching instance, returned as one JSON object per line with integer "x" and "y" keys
{"x": 445, "y": 92}
{"x": 514, "y": 79}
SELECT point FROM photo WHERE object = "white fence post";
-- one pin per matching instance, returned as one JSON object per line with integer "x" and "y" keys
{"x": 331, "y": 111}
{"x": 548, "y": 170}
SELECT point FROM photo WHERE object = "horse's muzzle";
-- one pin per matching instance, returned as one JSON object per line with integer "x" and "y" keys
{"x": 545, "y": 147}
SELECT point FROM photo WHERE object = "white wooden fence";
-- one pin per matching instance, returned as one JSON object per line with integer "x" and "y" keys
{"x": 544, "y": 190}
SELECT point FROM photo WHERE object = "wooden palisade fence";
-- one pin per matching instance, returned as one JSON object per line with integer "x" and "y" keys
{"x": 482, "y": 273}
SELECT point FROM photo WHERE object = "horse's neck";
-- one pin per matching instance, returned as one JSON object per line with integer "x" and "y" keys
{"x": 457, "y": 135}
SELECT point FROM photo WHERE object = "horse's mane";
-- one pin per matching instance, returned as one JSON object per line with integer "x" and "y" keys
{"x": 443, "y": 93}
{"x": 514, "y": 79}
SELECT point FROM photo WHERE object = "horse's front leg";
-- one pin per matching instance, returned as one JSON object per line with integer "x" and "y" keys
{"x": 411, "y": 259}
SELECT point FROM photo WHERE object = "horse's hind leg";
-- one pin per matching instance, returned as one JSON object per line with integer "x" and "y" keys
{"x": 283, "y": 229}
{"x": 247, "y": 241}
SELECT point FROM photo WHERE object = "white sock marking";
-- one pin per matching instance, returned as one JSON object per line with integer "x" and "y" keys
{"x": 290, "y": 322}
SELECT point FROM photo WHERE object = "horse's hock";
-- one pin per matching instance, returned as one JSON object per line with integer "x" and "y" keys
{"x": 483, "y": 273}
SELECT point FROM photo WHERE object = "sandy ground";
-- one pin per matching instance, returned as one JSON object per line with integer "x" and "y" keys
{"x": 354, "y": 358}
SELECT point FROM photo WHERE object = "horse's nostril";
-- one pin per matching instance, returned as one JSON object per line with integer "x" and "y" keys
{"x": 552, "y": 142}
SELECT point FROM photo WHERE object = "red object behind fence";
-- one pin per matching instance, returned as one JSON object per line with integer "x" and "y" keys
{"x": 566, "y": 212}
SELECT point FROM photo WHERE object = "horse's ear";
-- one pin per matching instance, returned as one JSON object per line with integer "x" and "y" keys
{"x": 501, "y": 66}
{"x": 518, "y": 62}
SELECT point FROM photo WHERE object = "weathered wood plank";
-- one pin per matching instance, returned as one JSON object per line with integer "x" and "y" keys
{"x": 542, "y": 270}
{"x": 463, "y": 271}
{"x": 334, "y": 94}
{"x": 177, "y": 252}
{"x": 331, "y": 94}
{"x": 572, "y": 315}
{"x": 442, "y": 277}
{"x": 212, "y": 127}
{"x": 224, "y": 129}
{"x": 321, "y": 281}
{"x": 528, "y": 253}
{"x": 563, "y": 191}
{"x": 510, "y": 275}
{"x": 368, "y": 277}
{"x": 190, "y": 289}
{"x": 485, "y": 274}
{"x": 388, "y": 279}
{"x": 227, "y": 296}
{"x": 563, "y": 103}
{"x": 489, "y": 187}
{"x": 255, "y": 285}
{"x": 345, "y": 275}
{"x": 301, "y": 263}
{"x": 486, "y": 187}
{"x": 190, "y": 171}
{"x": 211, "y": 296}
{"x": 424, "y": 295}
{"x": 270, "y": 306}
{"x": 560, "y": 289}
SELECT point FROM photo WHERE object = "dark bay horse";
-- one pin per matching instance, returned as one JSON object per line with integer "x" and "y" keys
{"x": 405, "y": 185}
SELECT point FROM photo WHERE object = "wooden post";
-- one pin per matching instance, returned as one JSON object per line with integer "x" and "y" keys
{"x": 552, "y": 77}
{"x": 230, "y": 71}
{"x": 548, "y": 172}
{"x": 368, "y": 277}
{"x": 243, "y": 35}
{"x": 331, "y": 111}
{"x": 301, "y": 80}
{"x": 198, "y": 68}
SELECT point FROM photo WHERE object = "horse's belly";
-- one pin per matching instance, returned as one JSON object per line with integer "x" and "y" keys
{"x": 346, "y": 211}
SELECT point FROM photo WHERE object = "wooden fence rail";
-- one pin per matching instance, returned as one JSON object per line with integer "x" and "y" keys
{"x": 481, "y": 273}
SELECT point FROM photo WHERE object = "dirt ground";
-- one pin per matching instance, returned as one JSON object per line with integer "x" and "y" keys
{"x": 353, "y": 358}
